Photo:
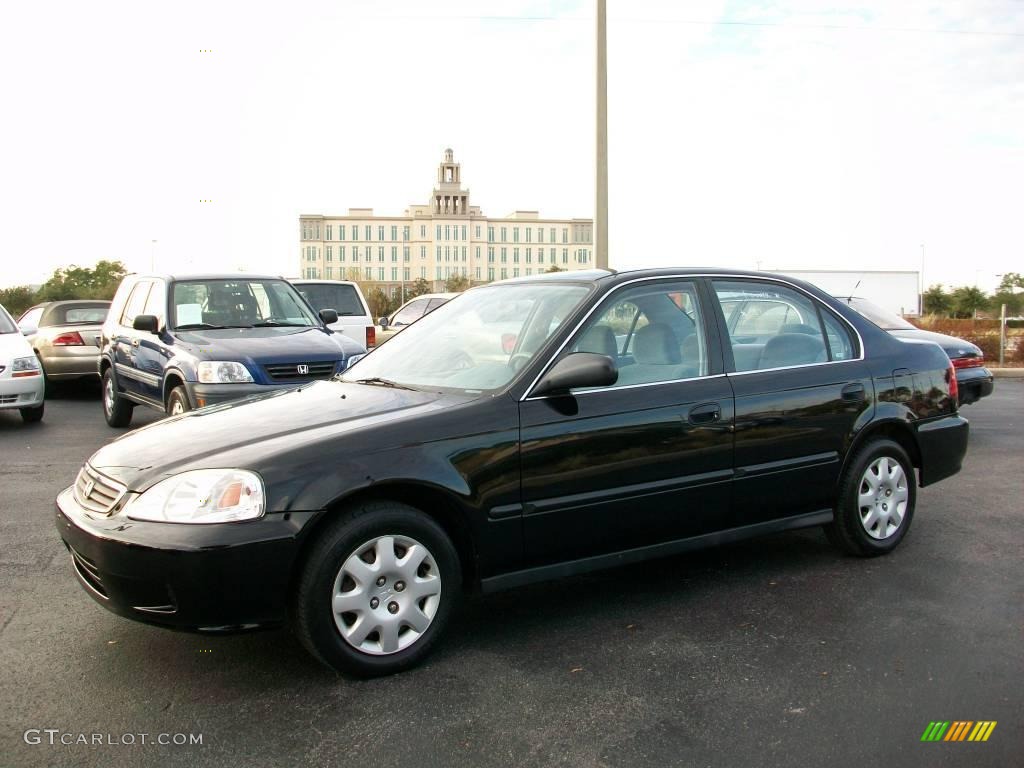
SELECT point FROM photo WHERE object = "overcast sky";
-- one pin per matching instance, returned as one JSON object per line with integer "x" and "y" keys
{"x": 747, "y": 133}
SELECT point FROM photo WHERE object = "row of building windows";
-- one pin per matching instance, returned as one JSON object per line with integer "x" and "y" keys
{"x": 451, "y": 253}
{"x": 449, "y": 232}
{"x": 380, "y": 274}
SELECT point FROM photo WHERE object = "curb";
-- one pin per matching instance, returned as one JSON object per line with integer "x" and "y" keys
{"x": 1008, "y": 373}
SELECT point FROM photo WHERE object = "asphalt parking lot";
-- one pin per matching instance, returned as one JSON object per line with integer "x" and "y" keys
{"x": 772, "y": 652}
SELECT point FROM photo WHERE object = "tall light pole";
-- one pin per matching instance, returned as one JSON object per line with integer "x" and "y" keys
{"x": 152, "y": 255}
{"x": 920, "y": 309}
{"x": 601, "y": 180}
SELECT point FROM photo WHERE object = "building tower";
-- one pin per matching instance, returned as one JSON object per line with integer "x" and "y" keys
{"x": 449, "y": 198}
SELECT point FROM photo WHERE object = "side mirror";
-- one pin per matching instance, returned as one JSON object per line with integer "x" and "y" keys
{"x": 328, "y": 316}
{"x": 27, "y": 331}
{"x": 383, "y": 323}
{"x": 580, "y": 369}
{"x": 146, "y": 323}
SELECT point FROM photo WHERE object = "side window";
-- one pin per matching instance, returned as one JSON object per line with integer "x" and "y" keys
{"x": 434, "y": 304}
{"x": 654, "y": 332}
{"x": 135, "y": 303}
{"x": 30, "y": 320}
{"x": 770, "y": 326}
{"x": 156, "y": 304}
{"x": 410, "y": 313}
{"x": 840, "y": 343}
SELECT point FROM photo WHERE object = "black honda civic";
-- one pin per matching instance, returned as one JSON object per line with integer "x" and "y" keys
{"x": 526, "y": 430}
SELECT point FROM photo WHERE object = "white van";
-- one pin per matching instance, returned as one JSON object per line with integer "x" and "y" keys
{"x": 347, "y": 300}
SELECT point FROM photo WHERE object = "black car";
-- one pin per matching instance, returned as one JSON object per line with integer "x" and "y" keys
{"x": 178, "y": 342}
{"x": 974, "y": 380}
{"x": 525, "y": 430}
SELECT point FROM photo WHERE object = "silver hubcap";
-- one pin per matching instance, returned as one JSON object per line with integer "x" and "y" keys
{"x": 177, "y": 408}
{"x": 882, "y": 498}
{"x": 386, "y": 594}
{"x": 108, "y": 395}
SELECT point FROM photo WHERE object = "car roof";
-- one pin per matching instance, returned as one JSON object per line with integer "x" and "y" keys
{"x": 206, "y": 276}
{"x": 623, "y": 275}
{"x": 313, "y": 281}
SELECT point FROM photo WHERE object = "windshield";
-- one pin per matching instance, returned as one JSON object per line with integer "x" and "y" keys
{"x": 883, "y": 318}
{"x": 476, "y": 342}
{"x": 7, "y": 324}
{"x": 238, "y": 303}
{"x": 339, "y": 297}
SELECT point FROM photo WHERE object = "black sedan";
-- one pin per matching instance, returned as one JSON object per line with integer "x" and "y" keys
{"x": 974, "y": 380}
{"x": 526, "y": 430}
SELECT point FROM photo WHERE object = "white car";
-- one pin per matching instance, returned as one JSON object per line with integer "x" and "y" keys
{"x": 410, "y": 312}
{"x": 21, "y": 375}
{"x": 345, "y": 298}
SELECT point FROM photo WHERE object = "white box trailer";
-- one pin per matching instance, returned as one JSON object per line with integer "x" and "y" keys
{"x": 895, "y": 290}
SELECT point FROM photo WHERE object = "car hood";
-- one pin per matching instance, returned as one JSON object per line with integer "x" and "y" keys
{"x": 251, "y": 433}
{"x": 14, "y": 345}
{"x": 953, "y": 346}
{"x": 267, "y": 344}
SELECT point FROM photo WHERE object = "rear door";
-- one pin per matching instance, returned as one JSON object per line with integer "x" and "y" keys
{"x": 126, "y": 341}
{"x": 800, "y": 387}
{"x": 646, "y": 460}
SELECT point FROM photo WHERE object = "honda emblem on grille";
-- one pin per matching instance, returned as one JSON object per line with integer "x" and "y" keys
{"x": 302, "y": 369}
{"x": 89, "y": 485}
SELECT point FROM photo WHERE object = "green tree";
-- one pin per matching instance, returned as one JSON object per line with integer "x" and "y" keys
{"x": 417, "y": 287}
{"x": 76, "y": 282}
{"x": 967, "y": 299}
{"x": 554, "y": 268}
{"x": 17, "y": 299}
{"x": 456, "y": 284}
{"x": 1014, "y": 302}
{"x": 937, "y": 301}
{"x": 1010, "y": 281}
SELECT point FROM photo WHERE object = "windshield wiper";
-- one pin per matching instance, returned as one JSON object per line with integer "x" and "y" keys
{"x": 193, "y": 326}
{"x": 275, "y": 324}
{"x": 377, "y": 380}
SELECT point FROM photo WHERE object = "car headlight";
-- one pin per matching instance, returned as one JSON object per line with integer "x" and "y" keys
{"x": 201, "y": 496}
{"x": 214, "y": 372}
{"x": 355, "y": 359}
{"x": 25, "y": 366}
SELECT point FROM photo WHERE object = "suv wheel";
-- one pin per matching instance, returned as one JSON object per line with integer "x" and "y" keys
{"x": 177, "y": 402}
{"x": 117, "y": 410}
{"x": 876, "y": 500}
{"x": 377, "y": 590}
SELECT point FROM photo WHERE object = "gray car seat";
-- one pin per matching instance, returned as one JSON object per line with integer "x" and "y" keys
{"x": 792, "y": 349}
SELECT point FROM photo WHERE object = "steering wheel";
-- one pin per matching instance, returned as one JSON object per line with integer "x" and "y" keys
{"x": 458, "y": 361}
{"x": 518, "y": 360}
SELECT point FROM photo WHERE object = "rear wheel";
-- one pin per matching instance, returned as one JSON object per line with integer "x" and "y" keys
{"x": 876, "y": 500}
{"x": 376, "y": 590}
{"x": 117, "y": 410}
{"x": 177, "y": 402}
{"x": 33, "y": 415}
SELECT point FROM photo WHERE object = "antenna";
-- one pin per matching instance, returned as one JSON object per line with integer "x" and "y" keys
{"x": 854, "y": 291}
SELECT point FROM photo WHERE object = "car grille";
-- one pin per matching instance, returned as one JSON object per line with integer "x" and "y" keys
{"x": 3, "y": 368}
{"x": 96, "y": 493}
{"x": 323, "y": 369}
{"x": 8, "y": 399}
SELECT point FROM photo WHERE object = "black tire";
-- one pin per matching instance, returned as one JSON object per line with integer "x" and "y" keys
{"x": 117, "y": 410}
{"x": 855, "y": 534}
{"x": 312, "y": 611}
{"x": 178, "y": 397}
{"x": 33, "y": 415}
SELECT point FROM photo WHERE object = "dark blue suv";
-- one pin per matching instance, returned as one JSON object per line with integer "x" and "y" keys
{"x": 181, "y": 342}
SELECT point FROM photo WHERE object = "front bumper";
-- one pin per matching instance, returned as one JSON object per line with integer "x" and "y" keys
{"x": 21, "y": 392}
{"x": 211, "y": 394}
{"x": 974, "y": 384}
{"x": 208, "y": 578}
{"x": 943, "y": 444}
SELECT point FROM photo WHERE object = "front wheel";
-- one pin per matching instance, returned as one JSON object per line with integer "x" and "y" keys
{"x": 876, "y": 500}
{"x": 33, "y": 415}
{"x": 376, "y": 590}
{"x": 117, "y": 410}
{"x": 177, "y": 402}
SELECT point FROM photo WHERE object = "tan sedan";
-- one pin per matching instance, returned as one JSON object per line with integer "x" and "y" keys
{"x": 65, "y": 337}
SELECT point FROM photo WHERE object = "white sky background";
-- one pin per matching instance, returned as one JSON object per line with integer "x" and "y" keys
{"x": 787, "y": 137}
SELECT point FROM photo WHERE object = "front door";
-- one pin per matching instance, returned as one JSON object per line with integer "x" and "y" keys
{"x": 641, "y": 462}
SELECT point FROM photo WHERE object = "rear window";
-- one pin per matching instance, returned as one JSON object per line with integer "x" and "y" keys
{"x": 77, "y": 314}
{"x": 6, "y": 323}
{"x": 342, "y": 298}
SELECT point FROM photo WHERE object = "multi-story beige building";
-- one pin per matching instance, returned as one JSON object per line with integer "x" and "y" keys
{"x": 447, "y": 237}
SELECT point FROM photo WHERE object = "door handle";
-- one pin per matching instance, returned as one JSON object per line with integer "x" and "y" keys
{"x": 705, "y": 413}
{"x": 135, "y": 342}
{"x": 854, "y": 391}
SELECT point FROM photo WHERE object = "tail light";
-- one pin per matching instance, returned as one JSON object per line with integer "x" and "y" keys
{"x": 968, "y": 362}
{"x": 371, "y": 336}
{"x": 72, "y": 339}
{"x": 954, "y": 387}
